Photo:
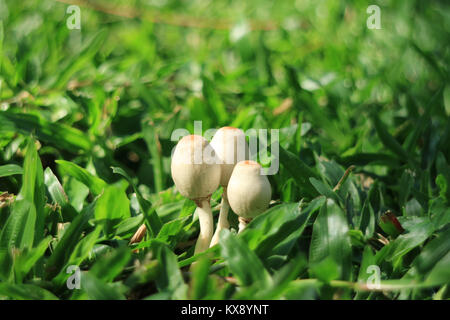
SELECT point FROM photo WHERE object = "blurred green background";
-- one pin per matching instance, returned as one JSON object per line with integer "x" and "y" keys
{"x": 111, "y": 93}
{"x": 320, "y": 63}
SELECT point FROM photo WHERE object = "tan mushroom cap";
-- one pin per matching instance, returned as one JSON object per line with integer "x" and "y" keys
{"x": 248, "y": 191}
{"x": 231, "y": 147}
{"x": 195, "y": 167}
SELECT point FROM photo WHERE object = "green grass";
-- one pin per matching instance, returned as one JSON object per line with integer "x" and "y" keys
{"x": 86, "y": 118}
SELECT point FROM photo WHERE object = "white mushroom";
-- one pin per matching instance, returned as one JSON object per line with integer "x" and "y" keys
{"x": 249, "y": 191}
{"x": 196, "y": 173}
{"x": 231, "y": 148}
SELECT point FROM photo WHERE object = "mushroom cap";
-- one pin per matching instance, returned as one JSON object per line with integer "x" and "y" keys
{"x": 248, "y": 190}
{"x": 195, "y": 167}
{"x": 231, "y": 148}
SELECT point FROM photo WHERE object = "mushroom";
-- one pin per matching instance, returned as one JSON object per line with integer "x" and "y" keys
{"x": 248, "y": 191}
{"x": 196, "y": 173}
{"x": 231, "y": 148}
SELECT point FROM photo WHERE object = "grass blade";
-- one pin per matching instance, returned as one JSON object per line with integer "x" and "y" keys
{"x": 239, "y": 257}
{"x": 330, "y": 239}
{"x": 95, "y": 184}
{"x": 152, "y": 218}
{"x": 19, "y": 229}
{"x": 25, "y": 292}
{"x": 63, "y": 136}
{"x": 299, "y": 171}
{"x": 9, "y": 170}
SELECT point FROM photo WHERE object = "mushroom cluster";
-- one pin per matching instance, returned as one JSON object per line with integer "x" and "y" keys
{"x": 199, "y": 168}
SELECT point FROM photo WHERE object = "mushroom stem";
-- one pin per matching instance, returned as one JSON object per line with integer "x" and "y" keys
{"x": 222, "y": 223}
{"x": 243, "y": 223}
{"x": 206, "y": 225}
